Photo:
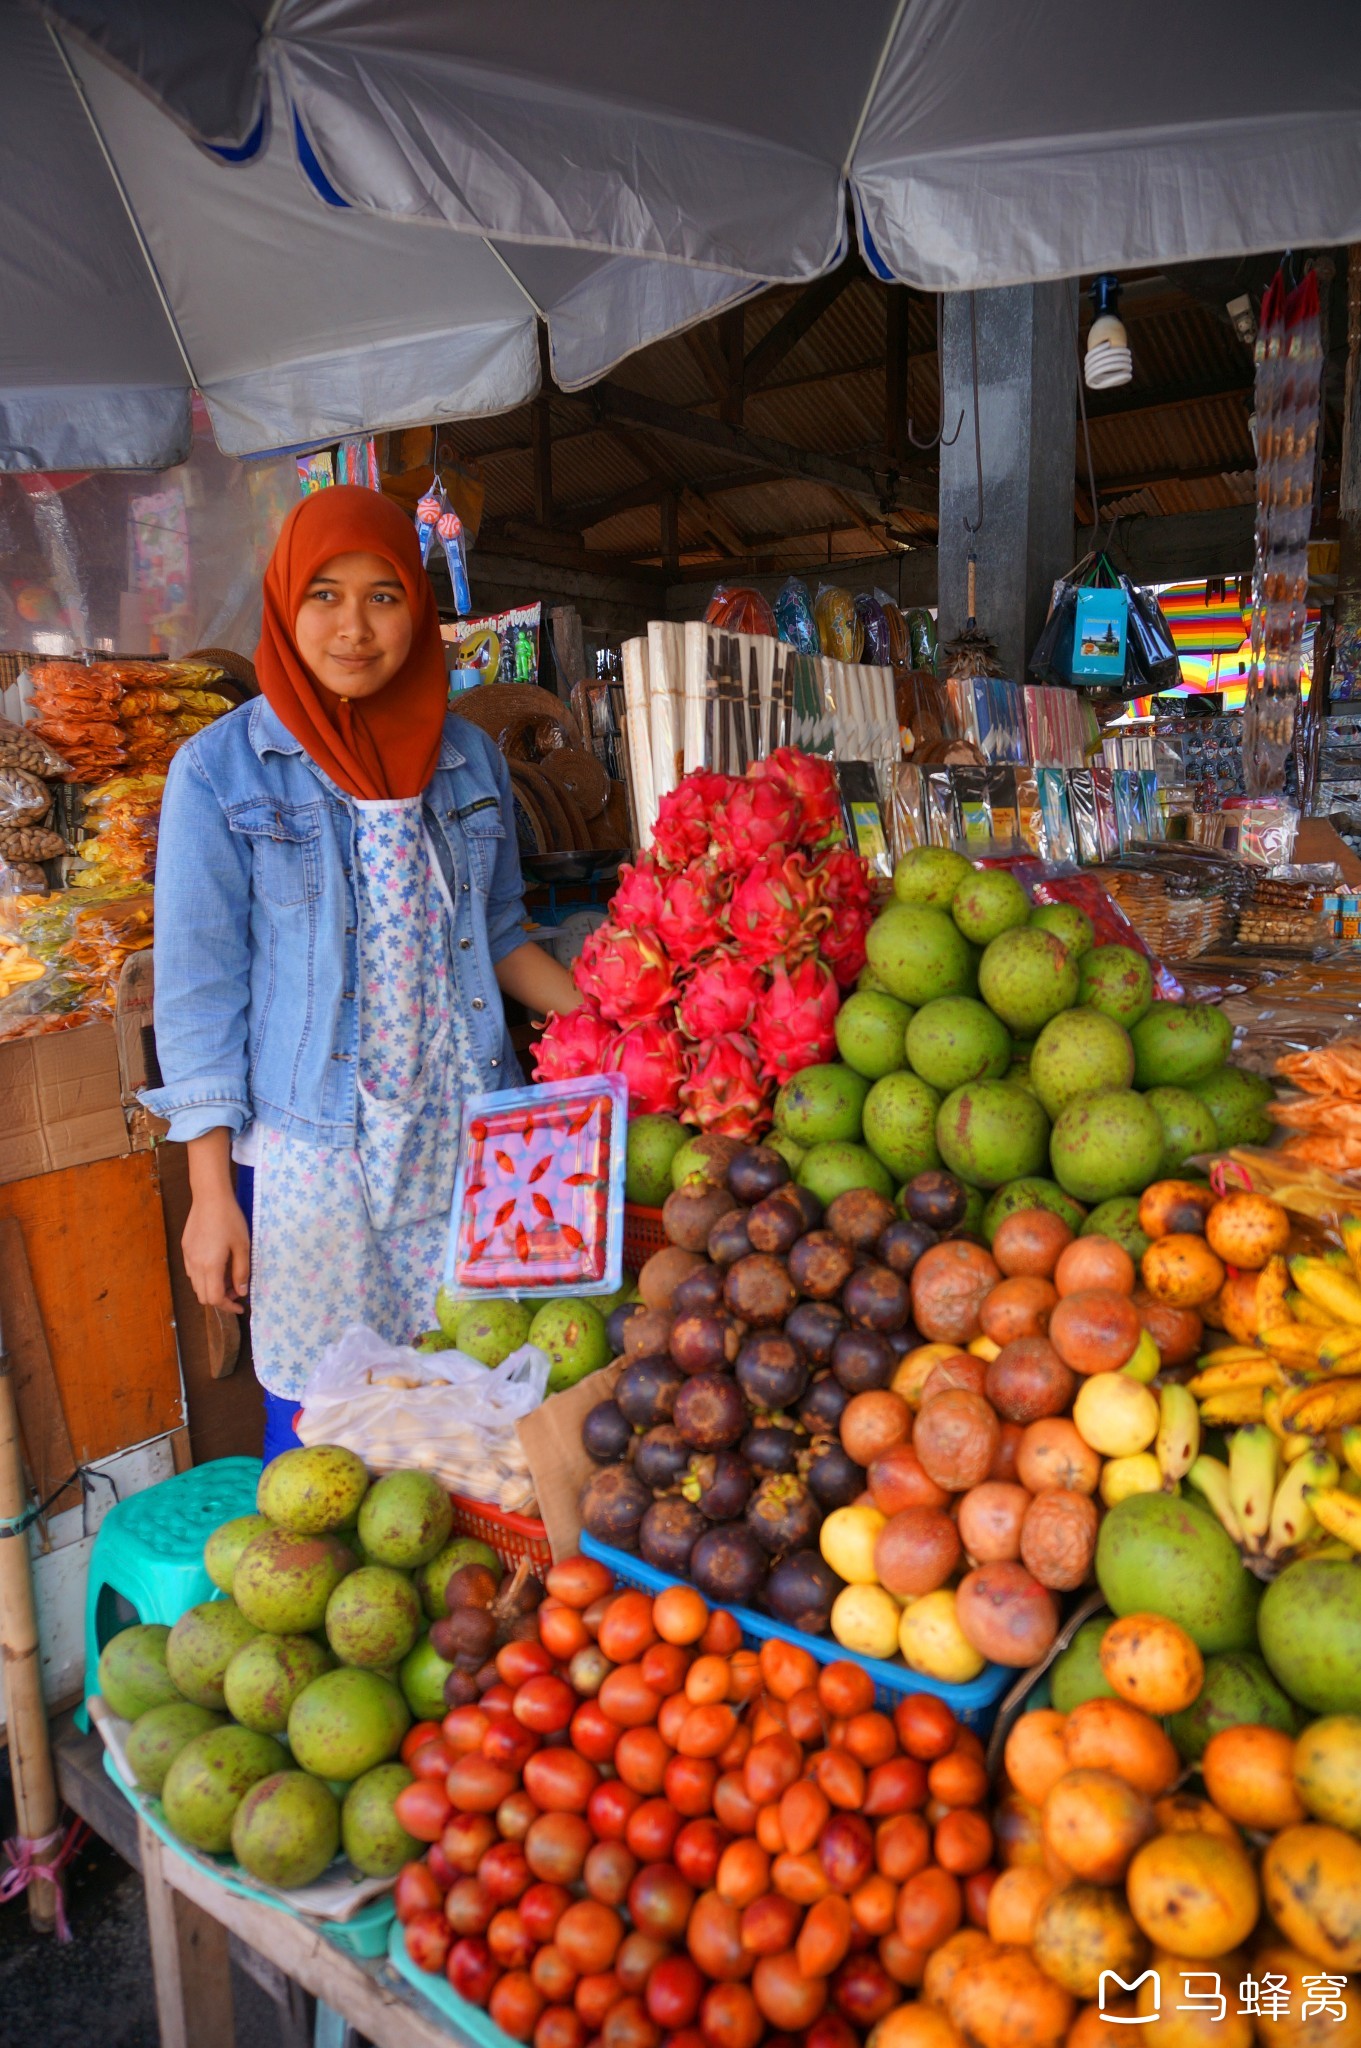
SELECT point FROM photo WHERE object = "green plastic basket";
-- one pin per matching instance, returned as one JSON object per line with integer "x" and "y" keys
{"x": 365, "y": 1933}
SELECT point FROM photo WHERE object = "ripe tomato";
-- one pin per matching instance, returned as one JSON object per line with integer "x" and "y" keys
{"x": 929, "y": 1908}
{"x": 976, "y": 1892}
{"x": 553, "y": 1974}
{"x": 627, "y": 1698}
{"x": 415, "y": 1891}
{"x": 561, "y": 1630}
{"x": 577, "y": 1581}
{"x": 433, "y": 1760}
{"x": 846, "y": 1688}
{"x": 902, "y": 1846}
{"x": 472, "y": 1969}
{"x": 804, "y": 1813}
{"x": 515, "y": 1662}
{"x": 496, "y": 1698}
{"x": 596, "y": 1992}
{"x": 560, "y": 1781}
{"x": 787, "y": 1668}
{"x": 963, "y": 1842}
{"x": 714, "y": 1939}
{"x": 743, "y": 1874}
{"x": 707, "y": 1681}
{"x": 664, "y": 1666}
{"x": 629, "y": 2025}
{"x": 556, "y": 1847}
{"x": 641, "y": 1759}
{"x": 505, "y": 1872}
{"x": 959, "y": 1779}
{"x": 509, "y": 1940}
{"x": 787, "y": 1998}
{"x": 674, "y": 1991}
{"x": 423, "y": 1808}
{"x": 626, "y": 1627}
{"x": 722, "y": 1635}
{"x": 926, "y": 1727}
{"x": 730, "y": 2017}
{"x": 428, "y": 1937}
{"x": 515, "y": 2005}
{"x": 671, "y": 1717}
{"x": 466, "y": 1840}
{"x": 545, "y": 1704}
{"x": 841, "y": 1778}
{"x": 541, "y": 1908}
{"x": 463, "y": 1728}
{"x": 689, "y": 1784}
{"x": 733, "y": 1805}
{"x": 906, "y": 1966}
{"x": 659, "y": 1901}
{"x": 807, "y": 1718}
{"x": 863, "y": 1990}
{"x": 898, "y": 1786}
{"x": 608, "y": 1872}
{"x": 421, "y": 1732}
{"x": 476, "y": 1785}
{"x": 772, "y": 1766}
{"x": 871, "y": 1739}
{"x": 589, "y": 1935}
{"x": 639, "y": 1954}
{"x": 679, "y": 1615}
{"x": 652, "y": 1830}
{"x": 593, "y": 1734}
{"x": 609, "y": 1807}
{"x": 469, "y": 1908}
{"x": 515, "y": 1816}
{"x": 697, "y": 1850}
{"x": 706, "y": 1731}
{"x": 874, "y": 1903}
{"x": 509, "y": 1742}
{"x": 770, "y": 1924}
{"x": 846, "y": 1851}
{"x": 825, "y": 1937}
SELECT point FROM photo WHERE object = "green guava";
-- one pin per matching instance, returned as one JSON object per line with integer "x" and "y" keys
{"x": 870, "y": 1033}
{"x": 1119, "y": 1219}
{"x": 989, "y": 902}
{"x": 653, "y": 1142}
{"x": 1071, "y": 926}
{"x": 1117, "y": 981}
{"x": 1106, "y": 1145}
{"x": 1027, "y": 977}
{"x": 1031, "y": 1192}
{"x": 405, "y": 1519}
{"x": 1188, "y": 1128}
{"x": 1079, "y": 1052}
{"x": 956, "y": 1039}
{"x": 992, "y": 1132}
{"x": 929, "y": 874}
{"x": 1178, "y": 1043}
{"x": 822, "y": 1105}
{"x": 1236, "y": 1099}
{"x": 311, "y": 1490}
{"x": 829, "y": 1170}
{"x": 900, "y": 1125}
{"x": 490, "y": 1330}
{"x": 573, "y": 1335}
{"x": 133, "y": 1673}
{"x": 919, "y": 953}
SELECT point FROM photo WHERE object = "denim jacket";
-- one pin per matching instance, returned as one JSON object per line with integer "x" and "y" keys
{"x": 256, "y": 940}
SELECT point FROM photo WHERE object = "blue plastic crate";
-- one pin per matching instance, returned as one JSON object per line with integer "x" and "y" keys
{"x": 973, "y": 1704}
{"x": 469, "y": 2022}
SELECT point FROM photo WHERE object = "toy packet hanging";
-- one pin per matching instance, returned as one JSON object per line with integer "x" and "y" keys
{"x": 436, "y": 519}
{"x": 539, "y": 1192}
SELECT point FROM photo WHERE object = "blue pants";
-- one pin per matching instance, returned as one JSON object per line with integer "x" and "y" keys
{"x": 279, "y": 1432}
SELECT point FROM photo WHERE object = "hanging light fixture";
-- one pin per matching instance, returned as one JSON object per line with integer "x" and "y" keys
{"x": 1108, "y": 361}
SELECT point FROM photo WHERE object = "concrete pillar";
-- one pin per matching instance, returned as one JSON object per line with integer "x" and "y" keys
{"x": 1027, "y": 411}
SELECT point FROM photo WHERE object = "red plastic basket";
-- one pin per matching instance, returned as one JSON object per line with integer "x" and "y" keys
{"x": 644, "y": 1234}
{"x": 512, "y": 1537}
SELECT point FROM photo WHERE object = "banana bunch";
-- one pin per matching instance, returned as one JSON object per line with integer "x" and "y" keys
{"x": 1337, "y": 1507}
{"x": 1302, "y": 1376}
{"x": 1279, "y": 1503}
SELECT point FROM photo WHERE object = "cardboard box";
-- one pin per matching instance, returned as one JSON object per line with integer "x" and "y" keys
{"x": 61, "y": 1102}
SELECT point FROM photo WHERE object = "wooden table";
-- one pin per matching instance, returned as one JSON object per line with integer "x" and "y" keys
{"x": 198, "y": 1928}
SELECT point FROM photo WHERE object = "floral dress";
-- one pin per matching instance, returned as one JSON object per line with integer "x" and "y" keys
{"x": 344, "y": 1236}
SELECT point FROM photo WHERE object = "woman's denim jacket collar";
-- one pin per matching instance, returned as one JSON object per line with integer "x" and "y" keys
{"x": 256, "y": 945}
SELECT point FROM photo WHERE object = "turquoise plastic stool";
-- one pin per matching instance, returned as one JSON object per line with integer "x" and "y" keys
{"x": 149, "y": 1550}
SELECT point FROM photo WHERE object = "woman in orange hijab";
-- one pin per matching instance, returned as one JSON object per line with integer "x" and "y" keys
{"x": 338, "y": 911}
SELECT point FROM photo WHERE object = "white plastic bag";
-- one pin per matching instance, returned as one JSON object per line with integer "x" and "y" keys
{"x": 438, "y": 1412}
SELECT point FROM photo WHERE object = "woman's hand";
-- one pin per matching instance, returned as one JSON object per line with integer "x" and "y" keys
{"x": 216, "y": 1241}
{"x": 538, "y": 981}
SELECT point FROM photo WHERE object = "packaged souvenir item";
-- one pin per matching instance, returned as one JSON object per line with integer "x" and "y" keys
{"x": 841, "y": 630}
{"x": 794, "y": 620}
{"x": 539, "y": 1196}
{"x": 736, "y": 609}
{"x": 878, "y": 643}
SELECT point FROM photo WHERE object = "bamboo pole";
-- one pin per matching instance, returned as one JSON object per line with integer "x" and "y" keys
{"x": 30, "y": 1754}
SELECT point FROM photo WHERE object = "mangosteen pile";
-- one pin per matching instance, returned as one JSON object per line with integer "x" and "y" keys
{"x": 718, "y": 1451}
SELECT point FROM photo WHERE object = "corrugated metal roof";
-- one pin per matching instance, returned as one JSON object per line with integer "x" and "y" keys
{"x": 1176, "y": 439}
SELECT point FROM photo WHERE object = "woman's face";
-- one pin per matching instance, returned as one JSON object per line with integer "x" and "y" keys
{"x": 353, "y": 627}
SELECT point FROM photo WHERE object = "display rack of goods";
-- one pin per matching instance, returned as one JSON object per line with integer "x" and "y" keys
{"x": 644, "y": 1831}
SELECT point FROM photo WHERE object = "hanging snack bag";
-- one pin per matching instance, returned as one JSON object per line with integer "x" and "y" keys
{"x": 735, "y": 608}
{"x": 436, "y": 520}
{"x": 539, "y": 1195}
{"x": 878, "y": 642}
{"x": 841, "y": 630}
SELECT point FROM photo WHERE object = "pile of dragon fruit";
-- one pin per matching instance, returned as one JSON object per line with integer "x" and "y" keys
{"x": 720, "y": 971}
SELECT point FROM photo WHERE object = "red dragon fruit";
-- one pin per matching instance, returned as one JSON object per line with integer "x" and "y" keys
{"x": 637, "y": 899}
{"x": 811, "y": 780}
{"x": 723, "y": 1091}
{"x": 720, "y": 995}
{"x": 651, "y": 1057}
{"x": 685, "y": 816}
{"x": 692, "y": 899}
{"x": 627, "y": 975}
{"x": 760, "y": 817}
{"x": 795, "y": 1020}
{"x": 841, "y": 882}
{"x": 774, "y": 914}
{"x": 575, "y": 1044}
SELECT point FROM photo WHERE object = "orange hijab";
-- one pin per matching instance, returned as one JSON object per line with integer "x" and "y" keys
{"x": 381, "y": 746}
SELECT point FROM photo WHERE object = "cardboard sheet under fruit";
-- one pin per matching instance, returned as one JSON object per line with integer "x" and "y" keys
{"x": 550, "y": 1436}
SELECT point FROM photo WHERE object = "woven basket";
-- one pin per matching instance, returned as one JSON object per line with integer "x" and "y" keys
{"x": 523, "y": 720}
{"x": 581, "y": 777}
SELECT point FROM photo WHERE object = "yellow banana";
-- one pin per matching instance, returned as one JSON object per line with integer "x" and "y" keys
{"x": 1314, "y": 1410}
{"x": 1258, "y": 1371}
{"x": 1337, "y": 1257}
{"x": 1305, "y": 1312}
{"x": 1341, "y": 1346}
{"x": 1321, "y": 1283}
{"x": 1225, "y": 1354}
{"x": 1272, "y": 1397}
{"x": 1254, "y": 1472}
{"x": 1210, "y": 1477}
{"x": 1178, "y": 1440}
{"x": 1351, "y": 1436}
{"x": 1351, "y": 1242}
{"x": 1325, "y": 1546}
{"x": 1294, "y": 1343}
{"x": 1238, "y": 1409}
{"x": 1273, "y": 1284}
{"x": 1337, "y": 1512}
{"x": 1293, "y": 1447}
{"x": 1292, "y": 1519}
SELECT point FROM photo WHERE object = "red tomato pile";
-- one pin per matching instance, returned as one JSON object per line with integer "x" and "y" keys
{"x": 686, "y": 1844}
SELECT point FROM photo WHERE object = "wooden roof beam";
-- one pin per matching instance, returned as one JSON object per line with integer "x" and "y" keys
{"x": 789, "y": 330}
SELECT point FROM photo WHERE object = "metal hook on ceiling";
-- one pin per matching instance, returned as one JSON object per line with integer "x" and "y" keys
{"x": 939, "y": 439}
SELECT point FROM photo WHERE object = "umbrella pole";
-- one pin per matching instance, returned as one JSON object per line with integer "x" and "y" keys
{"x": 30, "y": 1754}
